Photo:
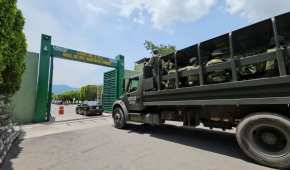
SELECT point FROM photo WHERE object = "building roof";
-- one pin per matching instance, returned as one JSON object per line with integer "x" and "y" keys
{"x": 143, "y": 60}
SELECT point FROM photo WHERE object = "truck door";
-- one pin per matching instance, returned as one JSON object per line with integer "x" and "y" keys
{"x": 133, "y": 94}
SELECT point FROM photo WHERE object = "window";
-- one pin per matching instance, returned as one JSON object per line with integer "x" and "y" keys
{"x": 133, "y": 85}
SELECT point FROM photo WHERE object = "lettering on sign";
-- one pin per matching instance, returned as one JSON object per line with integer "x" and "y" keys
{"x": 82, "y": 56}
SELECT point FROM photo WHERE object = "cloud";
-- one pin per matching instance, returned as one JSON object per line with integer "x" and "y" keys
{"x": 68, "y": 28}
{"x": 95, "y": 9}
{"x": 254, "y": 10}
{"x": 59, "y": 22}
{"x": 164, "y": 13}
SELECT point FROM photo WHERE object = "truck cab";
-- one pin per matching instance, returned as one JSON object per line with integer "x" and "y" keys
{"x": 133, "y": 94}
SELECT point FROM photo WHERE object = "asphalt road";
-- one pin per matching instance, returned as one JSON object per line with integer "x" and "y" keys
{"x": 100, "y": 146}
{"x": 69, "y": 113}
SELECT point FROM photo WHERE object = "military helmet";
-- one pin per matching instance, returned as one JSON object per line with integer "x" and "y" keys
{"x": 155, "y": 51}
{"x": 214, "y": 61}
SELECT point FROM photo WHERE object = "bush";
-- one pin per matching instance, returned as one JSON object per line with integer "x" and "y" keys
{"x": 12, "y": 47}
{"x": 12, "y": 52}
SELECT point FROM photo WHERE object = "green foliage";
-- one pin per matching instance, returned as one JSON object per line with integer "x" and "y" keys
{"x": 163, "y": 49}
{"x": 68, "y": 96}
{"x": 12, "y": 47}
{"x": 91, "y": 92}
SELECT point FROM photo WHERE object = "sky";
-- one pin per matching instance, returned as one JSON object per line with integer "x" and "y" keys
{"x": 112, "y": 27}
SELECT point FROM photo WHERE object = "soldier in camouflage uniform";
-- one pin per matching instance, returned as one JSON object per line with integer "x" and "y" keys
{"x": 270, "y": 66}
{"x": 217, "y": 76}
{"x": 264, "y": 69}
{"x": 191, "y": 79}
{"x": 168, "y": 67}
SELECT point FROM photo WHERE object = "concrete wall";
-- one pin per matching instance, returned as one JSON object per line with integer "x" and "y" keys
{"x": 24, "y": 99}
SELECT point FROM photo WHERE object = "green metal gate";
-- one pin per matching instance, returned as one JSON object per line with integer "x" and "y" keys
{"x": 109, "y": 91}
{"x": 49, "y": 51}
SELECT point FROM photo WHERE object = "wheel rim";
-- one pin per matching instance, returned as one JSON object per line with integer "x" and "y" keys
{"x": 118, "y": 117}
{"x": 270, "y": 140}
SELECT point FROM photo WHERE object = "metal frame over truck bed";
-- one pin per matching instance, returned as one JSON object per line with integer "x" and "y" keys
{"x": 263, "y": 90}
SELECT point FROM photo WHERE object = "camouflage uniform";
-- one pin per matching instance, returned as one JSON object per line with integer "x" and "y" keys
{"x": 164, "y": 67}
{"x": 216, "y": 76}
{"x": 260, "y": 69}
{"x": 191, "y": 79}
{"x": 170, "y": 69}
{"x": 248, "y": 70}
{"x": 167, "y": 67}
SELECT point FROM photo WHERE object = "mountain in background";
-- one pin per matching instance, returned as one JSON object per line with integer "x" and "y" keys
{"x": 61, "y": 88}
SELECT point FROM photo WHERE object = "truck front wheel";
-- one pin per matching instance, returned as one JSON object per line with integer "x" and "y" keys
{"x": 119, "y": 118}
{"x": 265, "y": 137}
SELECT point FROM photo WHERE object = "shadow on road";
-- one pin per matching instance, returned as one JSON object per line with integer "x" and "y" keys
{"x": 15, "y": 150}
{"x": 214, "y": 141}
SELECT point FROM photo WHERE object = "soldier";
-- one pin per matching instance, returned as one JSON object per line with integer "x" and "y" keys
{"x": 217, "y": 76}
{"x": 171, "y": 70}
{"x": 267, "y": 68}
{"x": 164, "y": 66}
{"x": 154, "y": 64}
{"x": 270, "y": 66}
{"x": 191, "y": 79}
{"x": 168, "y": 67}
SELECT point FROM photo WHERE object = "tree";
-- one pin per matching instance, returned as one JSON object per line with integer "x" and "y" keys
{"x": 12, "y": 52}
{"x": 69, "y": 96}
{"x": 89, "y": 92}
{"x": 12, "y": 47}
{"x": 163, "y": 49}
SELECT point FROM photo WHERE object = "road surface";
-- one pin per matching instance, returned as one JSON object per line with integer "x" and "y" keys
{"x": 69, "y": 113}
{"x": 93, "y": 144}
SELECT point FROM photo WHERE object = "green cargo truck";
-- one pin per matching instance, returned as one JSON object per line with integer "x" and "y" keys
{"x": 237, "y": 80}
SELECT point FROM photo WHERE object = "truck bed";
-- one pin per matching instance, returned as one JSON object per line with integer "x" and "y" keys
{"x": 275, "y": 90}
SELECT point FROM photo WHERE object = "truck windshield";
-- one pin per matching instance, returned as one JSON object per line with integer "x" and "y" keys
{"x": 133, "y": 85}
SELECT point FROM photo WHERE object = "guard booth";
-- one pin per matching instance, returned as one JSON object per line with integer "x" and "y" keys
{"x": 49, "y": 51}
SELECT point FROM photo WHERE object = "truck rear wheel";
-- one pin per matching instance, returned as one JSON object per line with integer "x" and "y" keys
{"x": 119, "y": 118}
{"x": 265, "y": 137}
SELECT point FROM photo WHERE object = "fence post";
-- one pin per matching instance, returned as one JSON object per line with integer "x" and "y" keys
{"x": 41, "y": 110}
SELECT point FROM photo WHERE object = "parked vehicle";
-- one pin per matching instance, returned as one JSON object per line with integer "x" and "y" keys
{"x": 238, "y": 80}
{"x": 57, "y": 102}
{"x": 89, "y": 108}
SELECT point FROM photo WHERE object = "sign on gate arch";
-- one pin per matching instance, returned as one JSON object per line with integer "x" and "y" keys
{"x": 45, "y": 72}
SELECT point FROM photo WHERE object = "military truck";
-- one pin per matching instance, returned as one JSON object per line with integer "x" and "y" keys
{"x": 239, "y": 80}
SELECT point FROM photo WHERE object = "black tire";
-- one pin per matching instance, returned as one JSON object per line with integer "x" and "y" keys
{"x": 81, "y": 111}
{"x": 265, "y": 137}
{"x": 77, "y": 111}
{"x": 119, "y": 118}
{"x": 86, "y": 112}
